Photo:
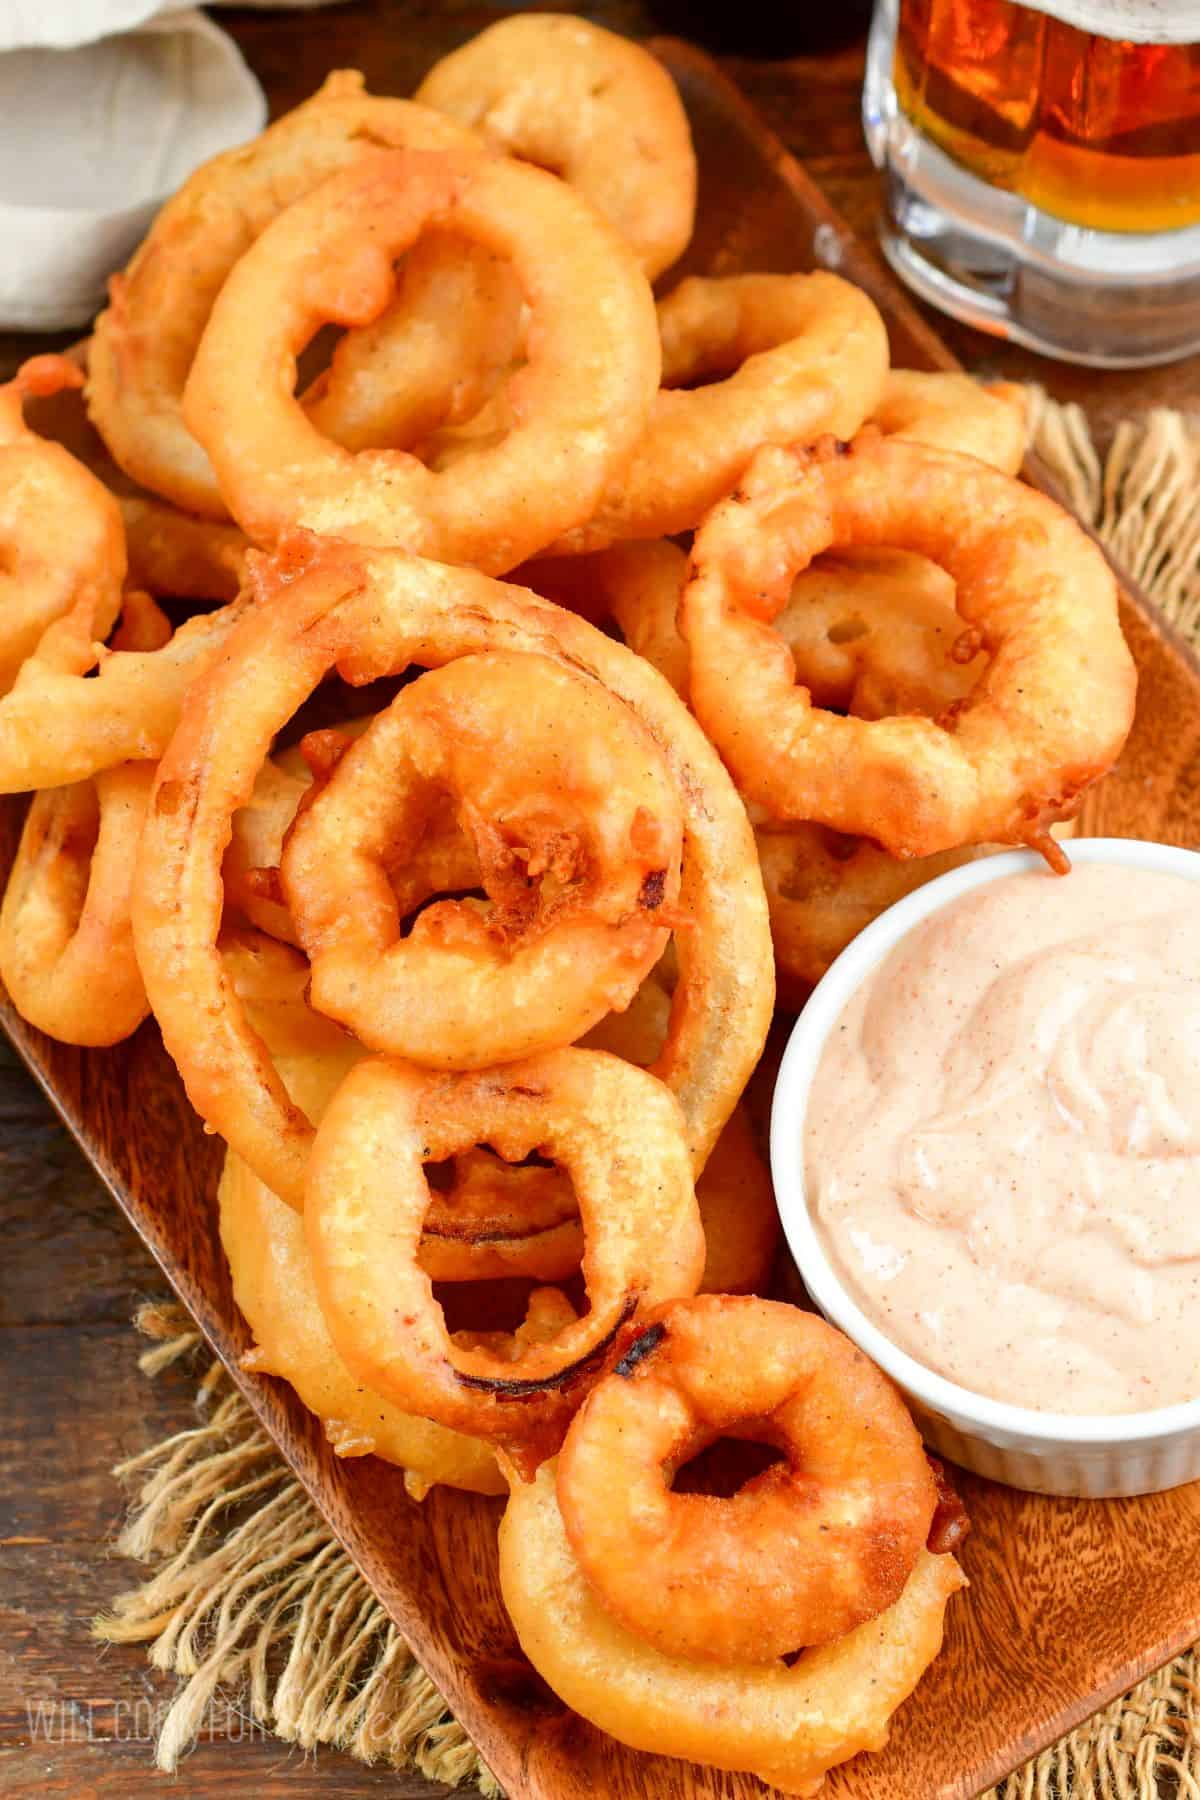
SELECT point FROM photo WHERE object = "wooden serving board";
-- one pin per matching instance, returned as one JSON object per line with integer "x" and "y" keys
{"x": 1070, "y": 1603}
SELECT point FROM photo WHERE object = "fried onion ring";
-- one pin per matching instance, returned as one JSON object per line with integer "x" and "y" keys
{"x": 949, "y": 411}
{"x": 580, "y": 401}
{"x": 615, "y": 1129}
{"x": 325, "y": 606}
{"x": 144, "y": 344}
{"x": 552, "y": 89}
{"x": 788, "y": 1725}
{"x": 1047, "y": 718}
{"x": 577, "y": 833}
{"x": 66, "y": 943}
{"x": 787, "y": 358}
{"x": 47, "y": 571}
{"x": 806, "y": 1551}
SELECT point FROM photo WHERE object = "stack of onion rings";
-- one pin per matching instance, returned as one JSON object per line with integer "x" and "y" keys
{"x": 143, "y": 346}
{"x": 273, "y": 1286}
{"x": 661, "y": 1617}
{"x": 325, "y": 606}
{"x": 472, "y": 967}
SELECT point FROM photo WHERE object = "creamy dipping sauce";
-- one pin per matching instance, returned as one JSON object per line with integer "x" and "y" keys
{"x": 1002, "y": 1142}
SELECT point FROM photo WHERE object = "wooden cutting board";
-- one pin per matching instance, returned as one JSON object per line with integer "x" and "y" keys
{"x": 1070, "y": 1603}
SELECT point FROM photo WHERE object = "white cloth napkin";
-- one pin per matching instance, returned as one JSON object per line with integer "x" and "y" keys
{"x": 105, "y": 107}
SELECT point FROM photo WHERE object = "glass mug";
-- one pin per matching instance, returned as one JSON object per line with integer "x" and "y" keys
{"x": 1042, "y": 168}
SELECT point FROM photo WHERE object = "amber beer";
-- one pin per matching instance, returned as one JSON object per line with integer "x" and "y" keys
{"x": 1043, "y": 167}
{"x": 1099, "y": 130}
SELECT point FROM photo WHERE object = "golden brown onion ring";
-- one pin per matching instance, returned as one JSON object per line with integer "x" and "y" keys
{"x": 580, "y": 401}
{"x": 576, "y": 830}
{"x": 618, "y": 1133}
{"x": 66, "y": 943}
{"x": 61, "y": 544}
{"x": 598, "y": 110}
{"x": 369, "y": 614}
{"x": 786, "y": 1724}
{"x": 1047, "y": 718}
{"x": 786, "y": 359}
{"x": 803, "y": 1553}
{"x": 144, "y": 344}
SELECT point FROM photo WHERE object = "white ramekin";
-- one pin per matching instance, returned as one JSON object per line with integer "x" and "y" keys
{"x": 1092, "y": 1456}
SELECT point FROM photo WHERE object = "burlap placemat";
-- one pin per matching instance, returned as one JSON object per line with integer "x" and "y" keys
{"x": 250, "y": 1592}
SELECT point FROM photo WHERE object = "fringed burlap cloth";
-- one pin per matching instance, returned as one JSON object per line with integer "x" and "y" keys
{"x": 252, "y": 1595}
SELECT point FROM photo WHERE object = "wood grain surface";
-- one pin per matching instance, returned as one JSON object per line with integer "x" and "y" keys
{"x": 1070, "y": 1603}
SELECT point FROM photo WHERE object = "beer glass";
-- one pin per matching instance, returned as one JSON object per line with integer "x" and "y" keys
{"x": 1042, "y": 168}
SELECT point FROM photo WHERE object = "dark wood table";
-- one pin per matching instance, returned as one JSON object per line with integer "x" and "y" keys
{"x": 75, "y": 1720}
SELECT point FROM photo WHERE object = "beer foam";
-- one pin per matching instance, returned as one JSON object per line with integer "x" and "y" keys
{"x": 1129, "y": 21}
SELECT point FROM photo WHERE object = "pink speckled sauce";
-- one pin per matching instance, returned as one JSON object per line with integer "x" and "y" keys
{"x": 1002, "y": 1142}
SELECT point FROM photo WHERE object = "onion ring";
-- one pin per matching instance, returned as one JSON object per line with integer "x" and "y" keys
{"x": 59, "y": 724}
{"x": 66, "y": 943}
{"x": 788, "y": 1725}
{"x": 787, "y": 357}
{"x": 949, "y": 411}
{"x": 143, "y": 346}
{"x": 46, "y": 572}
{"x": 803, "y": 1553}
{"x": 617, "y": 1131}
{"x": 368, "y": 615}
{"x": 1048, "y": 717}
{"x": 603, "y": 113}
{"x": 581, "y": 400}
{"x": 577, "y": 834}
